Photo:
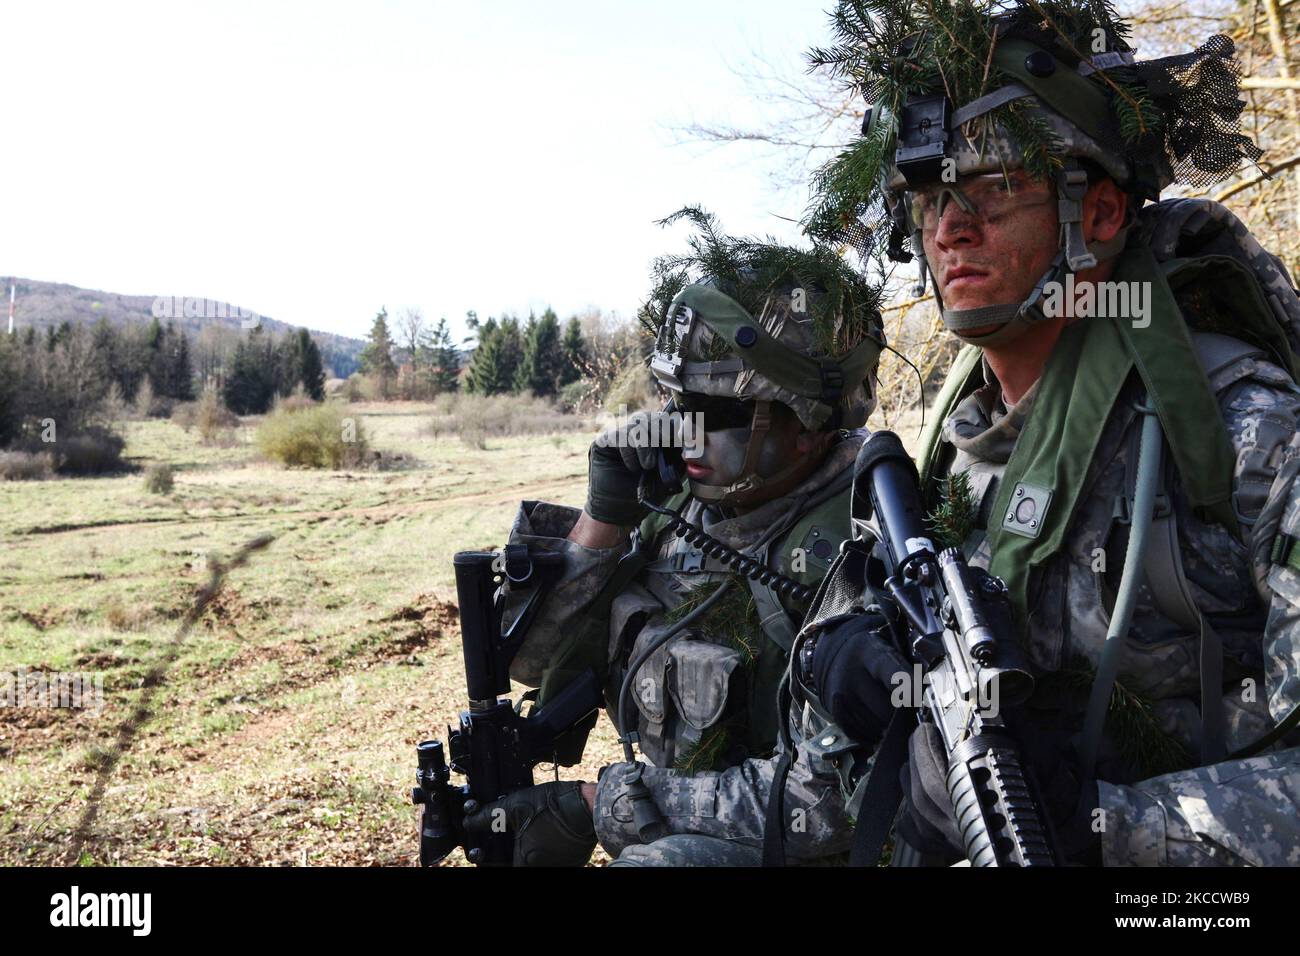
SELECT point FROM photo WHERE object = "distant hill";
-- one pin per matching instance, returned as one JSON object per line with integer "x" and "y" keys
{"x": 43, "y": 304}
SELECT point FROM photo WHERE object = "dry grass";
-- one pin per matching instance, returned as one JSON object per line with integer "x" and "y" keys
{"x": 476, "y": 418}
{"x": 281, "y": 729}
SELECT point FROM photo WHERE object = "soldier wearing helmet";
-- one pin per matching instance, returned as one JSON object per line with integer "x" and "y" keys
{"x": 684, "y": 602}
{"x": 1016, "y": 146}
{"x": 1020, "y": 149}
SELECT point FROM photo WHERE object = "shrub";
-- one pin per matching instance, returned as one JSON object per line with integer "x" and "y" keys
{"x": 297, "y": 402}
{"x": 159, "y": 479}
{"x": 317, "y": 437}
{"x": 215, "y": 422}
{"x": 578, "y": 397}
{"x": 185, "y": 414}
{"x": 476, "y": 418}
{"x": 26, "y": 465}
{"x": 94, "y": 451}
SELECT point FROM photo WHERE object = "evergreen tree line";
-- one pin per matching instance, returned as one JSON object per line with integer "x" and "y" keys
{"x": 264, "y": 368}
{"x": 534, "y": 358}
{"x": 78, "y": 376}
{"x": 69, "y": 374}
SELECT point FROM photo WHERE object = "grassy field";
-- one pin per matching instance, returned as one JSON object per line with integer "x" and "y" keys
{"x": 281, "y": 729}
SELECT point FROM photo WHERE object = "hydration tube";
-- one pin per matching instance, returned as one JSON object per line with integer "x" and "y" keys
{"x": 1144, "y": 497}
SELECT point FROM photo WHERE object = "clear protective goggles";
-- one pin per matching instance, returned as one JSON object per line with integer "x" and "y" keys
{"x": 988, "y": 197}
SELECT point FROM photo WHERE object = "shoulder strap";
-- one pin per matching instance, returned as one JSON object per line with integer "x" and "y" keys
{"x": 962, "y": 378}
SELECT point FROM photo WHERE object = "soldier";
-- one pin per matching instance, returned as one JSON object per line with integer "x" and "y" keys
{"x": 1020, "y": 169}
{"x": 769, "y": 356}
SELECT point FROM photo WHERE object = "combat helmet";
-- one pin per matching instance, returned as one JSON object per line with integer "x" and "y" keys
{"x": 757, "y": 320}
{"x": 1050, "y": 86}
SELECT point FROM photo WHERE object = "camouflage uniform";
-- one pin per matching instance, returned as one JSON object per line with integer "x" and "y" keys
{"x": 684, "y": 688}
{"x": 1243, "y": 811}
{"x": 700, "y": 681}
{"x": 1236, "y": 811}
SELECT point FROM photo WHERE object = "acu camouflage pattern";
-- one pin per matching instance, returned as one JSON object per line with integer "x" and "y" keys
{"x": 1202, "y": 227}
{"x": 1242, "y": 811}
{"x": 793, "y": 329}
{"x": 687, "y": 686}
{"x": 720, "y": 819}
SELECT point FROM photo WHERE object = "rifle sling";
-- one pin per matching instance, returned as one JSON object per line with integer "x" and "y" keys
{"x": 883, "y": 794}
{"x": 774, "y": 825}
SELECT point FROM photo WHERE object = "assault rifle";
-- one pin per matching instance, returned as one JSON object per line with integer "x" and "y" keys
{"x": 959, "y": 631}
{"x": 496, "y": 745}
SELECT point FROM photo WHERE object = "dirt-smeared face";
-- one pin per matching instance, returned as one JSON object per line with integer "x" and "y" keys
{"x": 991, "y": 249}
{"x": 723, "y": 457}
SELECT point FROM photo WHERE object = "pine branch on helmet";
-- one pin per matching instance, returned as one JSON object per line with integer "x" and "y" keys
{"x": 963, "y": 89}
{"x": 774, "y": 326}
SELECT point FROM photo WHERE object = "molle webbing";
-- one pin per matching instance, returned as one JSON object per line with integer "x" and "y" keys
{"x": 587, "y": 646}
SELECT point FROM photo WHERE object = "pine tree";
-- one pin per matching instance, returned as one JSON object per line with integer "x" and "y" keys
{"x": 442, "y": 359}
{"x": 487, "y": 371}
{"x": 251, "y": 384}
{"x": 574, "y": 353}
{"x": 154, "y": 334}
{"x": 512, "y": 350}
{"x": 11, "y": 383}
{"x": 377, "y": 357}
{"x": 180, "y": 370}
{"x": 539, "y": 369}
{"x": 311, "y": 370}
{"x": 159, "y": 340}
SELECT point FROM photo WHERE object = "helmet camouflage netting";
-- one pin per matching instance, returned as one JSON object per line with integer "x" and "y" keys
{"x": 1023, "y": 83}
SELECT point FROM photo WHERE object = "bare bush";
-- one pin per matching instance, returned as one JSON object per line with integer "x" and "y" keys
{"x": 159, "y": 479}
{"x": 476, "y": 418}
{"x": 95, "y": 451}
{"x": 215, "y": 422}
{"x": 26, "y": 466}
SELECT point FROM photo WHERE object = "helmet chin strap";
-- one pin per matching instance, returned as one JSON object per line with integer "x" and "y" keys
{"x": 748, "y": 482}
{"x": 1073, "y": 255}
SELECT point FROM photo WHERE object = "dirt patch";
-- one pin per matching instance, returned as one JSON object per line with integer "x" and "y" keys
{"x": 430, "y": 618}
{"x": 105, "y": 660}
{"x": 42, "y": 620}
{"x": 228, "y": 610}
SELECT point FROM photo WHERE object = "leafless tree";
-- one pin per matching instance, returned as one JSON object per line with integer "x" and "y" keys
{"x": 410, "y": 328}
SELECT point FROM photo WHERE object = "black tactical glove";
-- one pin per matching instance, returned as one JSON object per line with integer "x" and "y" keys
{"x": 852, "y": 670}
{"x": 928, "y": 823}
{"x": 619, "y": 458}
{"x": 551, "y": 823}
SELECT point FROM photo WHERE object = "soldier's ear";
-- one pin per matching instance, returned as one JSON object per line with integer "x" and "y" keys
{"x": 1105, "y": 206}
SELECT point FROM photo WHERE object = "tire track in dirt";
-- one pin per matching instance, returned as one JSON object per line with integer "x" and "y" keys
{"x": 495, "y": 496}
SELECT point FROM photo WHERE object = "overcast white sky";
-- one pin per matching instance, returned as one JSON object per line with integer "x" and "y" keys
{"x": 313, "y": 161}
